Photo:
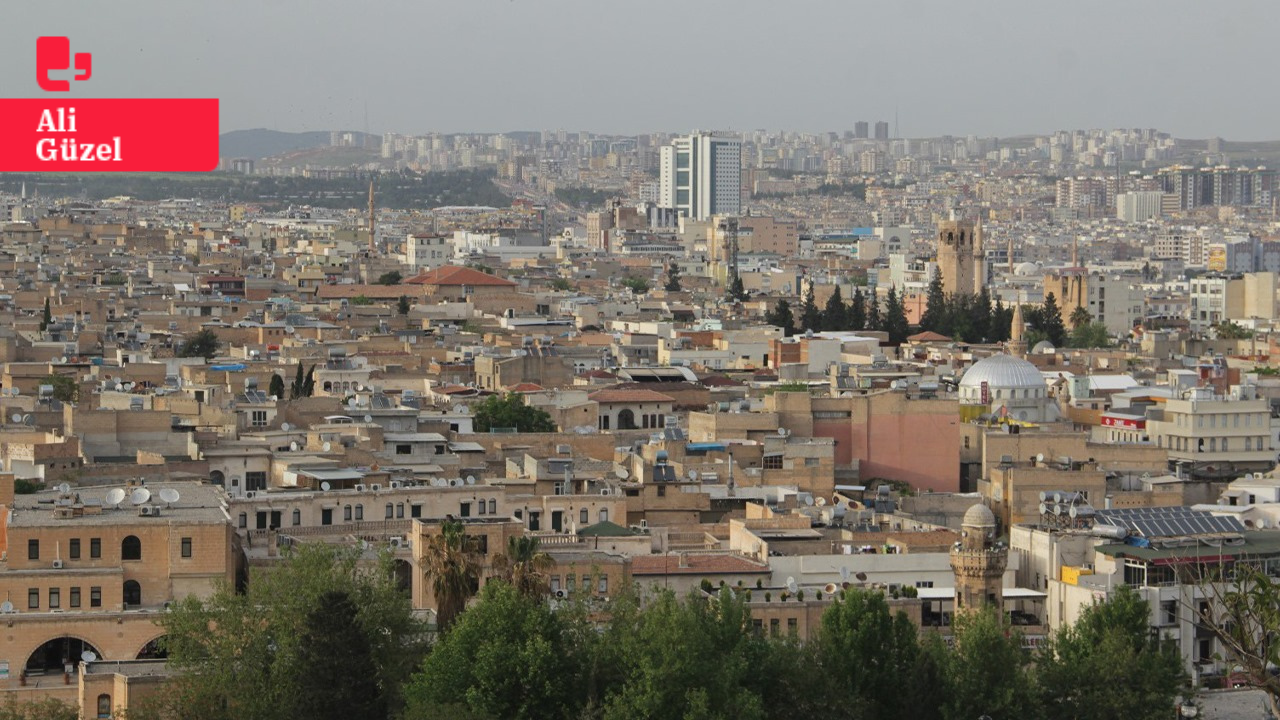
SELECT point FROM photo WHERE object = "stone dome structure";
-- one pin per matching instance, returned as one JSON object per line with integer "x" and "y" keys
{"x": 1003, "y": 372}
{"x": 979, "y": 516}
{"x": 1008, "y": 386}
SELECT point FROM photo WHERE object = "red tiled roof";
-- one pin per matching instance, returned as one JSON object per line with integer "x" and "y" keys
{"x": 603, "y": 374}
{"x": 525, "y": 387}
{"x": 457, "y": 275}
{"x": 697, "y": 564}
{"x": 928, "y": 336}
{"x": 373, "y": 292}
{"x": 629, "y": 396}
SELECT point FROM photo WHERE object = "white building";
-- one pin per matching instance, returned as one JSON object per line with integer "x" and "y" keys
{"x": 427, "y": 252}
{"x": 1136, "y": 207}
{"x": 700, "y": 175}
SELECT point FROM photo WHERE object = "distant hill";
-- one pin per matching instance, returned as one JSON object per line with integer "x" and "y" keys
{"x": 262, "y": 143}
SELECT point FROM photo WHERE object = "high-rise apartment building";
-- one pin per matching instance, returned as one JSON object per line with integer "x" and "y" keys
{"x": 860, "y": 129}
{"x": 700, "y": 175}
{"x": 882, "y": 130}
{"x": 1139, "y": 206}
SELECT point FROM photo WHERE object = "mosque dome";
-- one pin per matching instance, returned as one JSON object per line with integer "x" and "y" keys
{"x": 1002, "y": 372}
{"x": 1027, "y": 269}
{"x": 979, "y": 516}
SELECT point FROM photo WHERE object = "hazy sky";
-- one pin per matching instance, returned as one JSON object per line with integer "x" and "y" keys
{"x": 987, "y": 67}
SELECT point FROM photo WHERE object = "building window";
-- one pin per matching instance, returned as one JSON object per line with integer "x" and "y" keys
{"x": 390, "y": 511}
{"x": 104, "y": 706}
{"x": 774, "y": 624}
{"x": 570, "y": 583}
{"x": 404, "y": 449}
{"x": 493, "y": 506}
{"x": 359, "y": 512}
{"x": 33, "y": 599}
{"x": 243, "y": 521}
{"x": 584, "y": 516}
{"x": 131, "y": 548}
{"x": 297, "y": 517}
{"x": 95, "y": 597}
{"x": 326, "y": 516}
{"x": 604, "y": 514}
{"x": 33, "y": 549}
{"x": 346, "y": 513}
{"x": 132, "y": 593}
{"x": 75, "y": 597}
{"x": 399, "y": 510}
{"x": 255, "y": 481}
{"x": 73, "y": 550}
{"x": 483, "y": 508}
{"x": 465, "y": 509}
{"x": 95, "y": 548}
{"x": 555, "y": 583}
{"x": 55, "y": 598}
{"x": 602, "y": 585}
{"x": 924, "y": 583}
{"x": 793, "y": 626}
{"x": 258, "y": 418}
{"x": 772, "y": 462}
{"x": 415, "y": 511}
{"x": 186, "y": 547}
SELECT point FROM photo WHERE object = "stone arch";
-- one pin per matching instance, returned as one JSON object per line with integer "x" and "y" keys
{"x": 217, "y": 477}
{"x": 626, "y": 419}
{"x": 47, "y": 656}
{"x": 151, "y": 649}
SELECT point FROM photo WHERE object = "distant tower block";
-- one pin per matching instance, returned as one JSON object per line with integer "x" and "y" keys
{"x": 961, "y": 260}
{"x": 978, "y": 563}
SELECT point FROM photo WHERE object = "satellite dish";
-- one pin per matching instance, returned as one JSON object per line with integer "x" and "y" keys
{"x": 861, "y": 577}
{"x": 808, "y": 500}
{"x": 821, "y": 501}
{"x": 1039, "y": 457}
{"x": 471, "y": 479}
{"x": 88, "y": 656}
{"x": 293, "y": 446}
{"x": 1044, "y": 509}
{"x": 286, "y": 427}
{"x": 791, "y": 584}
{"x": 782, "y": 432}
{"x": 16, "y": 417}
{"x": 844, "y": 573}
{"x": 139, "y": 496}
{"x": 325, "y": 485}
{"x": 64, "y": 488}
{"x": 6, "y": 607}
{"x": 328, "y": 446}
{"x": 693, "y": 475}
{"x": 620, "y": 473}
{"x": 288, "y": 329}
{"x": 169, "y": 495}
{"x": 115, "y": 496}
{"x": 368, "y": 418}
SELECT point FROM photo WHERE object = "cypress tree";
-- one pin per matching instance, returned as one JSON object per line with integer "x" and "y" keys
{"x": 935, "y": 310}
{"x": 835, "y": 314}
{"x": 810, "y": 316}
{"x": 858, "y": 310}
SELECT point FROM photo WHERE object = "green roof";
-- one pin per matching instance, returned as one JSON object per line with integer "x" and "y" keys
{"x": 605, "y": 529}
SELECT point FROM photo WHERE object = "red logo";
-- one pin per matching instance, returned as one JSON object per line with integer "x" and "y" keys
{"x": 54, "y": 53}
{"x": 59, "y": 134}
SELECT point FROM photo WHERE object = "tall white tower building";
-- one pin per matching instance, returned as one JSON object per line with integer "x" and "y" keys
{"x": 700, "y": 175}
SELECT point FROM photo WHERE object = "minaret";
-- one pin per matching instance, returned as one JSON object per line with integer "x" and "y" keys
{"x": 978, "y": 562}
{"x": 1017, "y": 346}
{"x": 373, "y": 228}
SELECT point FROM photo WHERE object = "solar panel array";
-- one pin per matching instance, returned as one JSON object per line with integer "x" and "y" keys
{"x": 254, "y": 396}
{"x": 1157, "y": 522}
{"x": 382, "y": 402}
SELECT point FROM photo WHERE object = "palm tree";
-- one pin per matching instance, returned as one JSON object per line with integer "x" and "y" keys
{"x": 452, "y": 562}
{"x": 1080, "y": 316}
{"x": 524, "y": 566}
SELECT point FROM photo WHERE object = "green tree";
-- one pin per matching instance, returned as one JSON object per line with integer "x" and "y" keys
{"x": 895, "y": 318}
{"x": 508, "y": 656}
{"x": 331, "y": 645}
{"x": 1228, "y": 330}
{"x": 361, "y": 300}
{"x": 935, "y": 310}
{"x": 1089, "y": 335}
{"x": 780, "y": 316}
{"x": 309, "y": 384}
{"x": 737, "y": 291}
{"x": 1001, "y": 322}
{"x": 981, "y": 315}
{"x": 242, "y": 656}
{"x": 1051, "y": 321}
{"x": 1243, "y": 614}
{"x": 810, "y": 315}
{"x": 865, "y": 650}
{"x": 404, "y": 306}
{"x": 299, "y": 383}
{"x": 858, "y": 310}
{"x": 524, "y": 566}
{"x": 673, "y": 278}
{"x": 46, "y": 317}
{"x": 834, "y": 313}
{"x": 510, "y": 411}
{"x": 390, "y": 278}
{"x": 988, "y": 673}
{"x": 451, "y": 563}
{"x": 47, "y": 709}
{"x": 65, "y": 389}
{"x": 875, "y": 320}
{"x": 1080, "y": 316}
{"x": 203, "y": 344}
{"x": 1111, "y": 639}
{"x": 276, "y": 387}
{"x": 638, "y": 285}
{"x": 561, "y": 284}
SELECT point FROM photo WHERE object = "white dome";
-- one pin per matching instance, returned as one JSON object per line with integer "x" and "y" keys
{"x": 1003, "y": 371}
{"x": 1026, "y": 269}
{"x": 979, "y": 516}
{"x": 1044, "y": 347}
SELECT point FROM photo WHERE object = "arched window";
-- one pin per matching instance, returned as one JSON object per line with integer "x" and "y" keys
{"x": 132, "y": 593}
{"x": 359, "y": 512}
{"x": 104, "y": 706}
{"x": 584, "y": 516}
{"x": 131, "y": 548}
{"x": 328, "y": 386}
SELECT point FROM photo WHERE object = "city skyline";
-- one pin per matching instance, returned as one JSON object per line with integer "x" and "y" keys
{"x": 520, "y": 64}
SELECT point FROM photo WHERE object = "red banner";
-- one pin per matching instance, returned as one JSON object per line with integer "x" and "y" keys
{"x": 52, "y": 134}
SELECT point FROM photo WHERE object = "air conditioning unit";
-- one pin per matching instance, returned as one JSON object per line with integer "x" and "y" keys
{"x": 562, "y": 593}
{"x": 606, "y": 491}
{"x": 360, "y": 487}
{"x": 395, "y": 485}
{"x": 644, "y": 523}
{"x": 250, "y": 494}
{"x": 148, "y": 511}
{"x": 397, "y": 542}
{"x": 564, "y": 449}
{"x": 57, "y": 564}
{"x": 376, "y": 487}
